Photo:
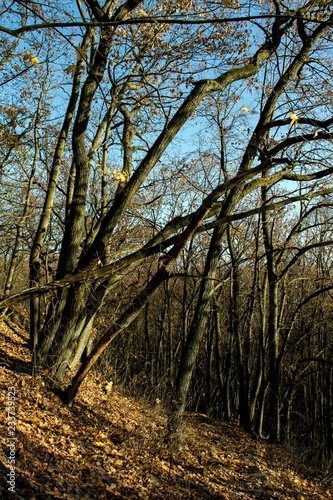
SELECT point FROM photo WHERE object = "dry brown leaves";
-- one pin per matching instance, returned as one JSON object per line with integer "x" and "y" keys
{"x": 109, "y": 446}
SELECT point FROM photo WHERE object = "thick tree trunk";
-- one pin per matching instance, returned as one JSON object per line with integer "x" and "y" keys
{"x": 49, "y": 199}
{"x": 70, "y": 304}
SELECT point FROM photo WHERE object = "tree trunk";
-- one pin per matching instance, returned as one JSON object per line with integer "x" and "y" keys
{"x": 272, "y": 327}
{"x": 191, "y": 347}
{"x": 45, "y": 218}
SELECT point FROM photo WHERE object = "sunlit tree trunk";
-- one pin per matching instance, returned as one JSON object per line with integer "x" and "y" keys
{"x": 49, "y": 200}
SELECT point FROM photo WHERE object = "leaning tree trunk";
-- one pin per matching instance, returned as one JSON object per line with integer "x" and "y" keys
{"x": 139, "y": 302}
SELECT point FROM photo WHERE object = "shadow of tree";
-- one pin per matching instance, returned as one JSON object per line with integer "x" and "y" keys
{"x": 117, "y": 433}
{"x": 22, "y": 485}
{"x": 17, "y": 332}
{"x": 15, "y": 364}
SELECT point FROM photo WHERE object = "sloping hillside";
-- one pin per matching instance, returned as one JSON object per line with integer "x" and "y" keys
{"x": 109, "y": 446}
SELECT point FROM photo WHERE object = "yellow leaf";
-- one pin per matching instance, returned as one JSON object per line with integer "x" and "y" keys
{"x": 109, "y": 386}
{"x": 246, "y": 109}
{"x": 294, "y": 118}
{"x": 120, "y": 176}
{"x": 33, "y": 59}
{"x": 99, "y": 444}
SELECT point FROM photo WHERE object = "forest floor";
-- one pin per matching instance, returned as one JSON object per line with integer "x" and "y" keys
{"x": 109, "y": 446}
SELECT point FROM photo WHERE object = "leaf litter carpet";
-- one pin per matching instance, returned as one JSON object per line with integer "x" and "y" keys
{"x": 109, "y": 446}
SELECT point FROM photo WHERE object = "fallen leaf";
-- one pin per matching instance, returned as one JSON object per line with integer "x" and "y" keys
{"x": 99, "y": 444}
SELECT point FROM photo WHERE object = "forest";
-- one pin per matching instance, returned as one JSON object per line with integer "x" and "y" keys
{"x": 166, "y": 205}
